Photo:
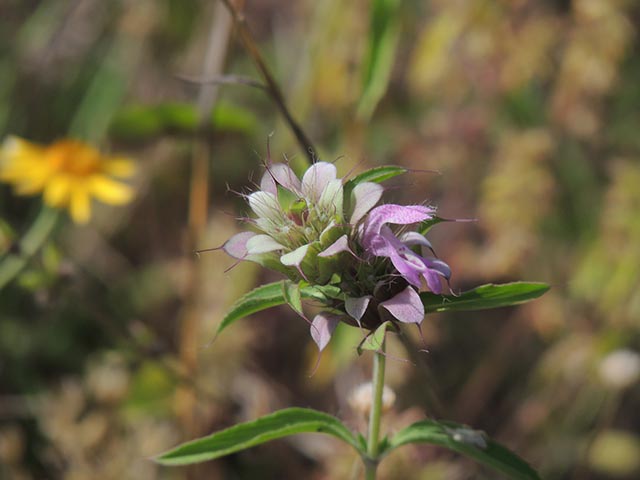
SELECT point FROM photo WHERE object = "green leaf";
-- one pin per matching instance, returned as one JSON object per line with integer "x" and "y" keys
{"x": 464, "y": 440}
{"x": 233, "y": 118}
{"x": 425, "y": 226}
{"x": 177, "y": 116}
{"x": 292, "y": 296}
{"x": 280, "y": 424}
{"x": 135, "y": 122}
{"x": 141, "y": 122}
{"x": 376, "y": 175}
{"x": 374, "y": 340}
{"x": 263, "y": 297}
{"x": 485, "y": 296}
{"x": 383, "y": 40}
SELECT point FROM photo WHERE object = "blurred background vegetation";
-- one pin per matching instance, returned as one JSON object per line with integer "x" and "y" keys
{"x": 528, "y": 109}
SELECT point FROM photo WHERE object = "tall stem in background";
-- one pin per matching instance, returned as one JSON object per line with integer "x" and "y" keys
{"x": 199, "y": 193}
{"x": 12, "y": 264}
{"x": 272, "y": 86}
{"x": 375, "y": 415}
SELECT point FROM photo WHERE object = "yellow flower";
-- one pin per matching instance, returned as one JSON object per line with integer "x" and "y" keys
{"x": 68, "y": 173}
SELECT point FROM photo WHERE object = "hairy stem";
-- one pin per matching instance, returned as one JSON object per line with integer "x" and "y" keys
{"x": 375, "y": 415}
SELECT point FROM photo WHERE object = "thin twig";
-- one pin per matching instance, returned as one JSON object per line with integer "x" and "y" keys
{"x": 271, "y": 84}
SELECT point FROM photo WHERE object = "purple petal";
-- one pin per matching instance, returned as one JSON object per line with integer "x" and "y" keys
{"x": 395, "y": 214}
{"x": 316, "y": 178}
{"x": 340, "y": 245}
{"x": 262, "y": 244}
{"x": 236, "y": 246}
{"x": 406, "y": 306}
{"x": 322, "y": 328}
{"x": 410, "y": 267}
{"x": 363, "y": 198}
{"x": 408, "y": 264}
{"x": 415, "y": 238}
{"x": 356, "y": 307}
{"x": 433, "y": 281}
{"x": 439, "y": 266}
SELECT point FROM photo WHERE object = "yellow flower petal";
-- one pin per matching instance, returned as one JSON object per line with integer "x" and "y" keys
{"x": 80, "y": 206}
{"x": 119, "y": 167}
{"x": 110, "y": 191}
{"x": 16, "y": 148}
{"x": 57, "y": 191}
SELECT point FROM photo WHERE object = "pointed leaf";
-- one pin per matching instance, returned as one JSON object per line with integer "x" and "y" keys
{"x": 322, "y": 328}
{"x": 375, "y": 175}
{"x": 375, "y": 339}
{"x": 292, "y": 296}
{"x": 469, "y": 442}
{"x": 263, "y": 297}
{"x": 485, "y": 296}
{"x": 280, "y": 424}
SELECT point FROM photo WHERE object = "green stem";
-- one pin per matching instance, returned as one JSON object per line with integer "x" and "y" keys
{"x": 373, "y": 439}
{"x": 11, "y": 265}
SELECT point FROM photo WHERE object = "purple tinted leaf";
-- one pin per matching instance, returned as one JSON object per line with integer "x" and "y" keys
{"x": 322, "y": 328}
{"x": 236, "y": 246}
{"x": 406, "y": 306}
{"x": 280, "y": 174}
{"x": 356, "y": 307}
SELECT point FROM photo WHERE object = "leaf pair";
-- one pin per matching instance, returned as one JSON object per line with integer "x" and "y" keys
{"x": 480, "y": 298}
{"x": 291, "y": 421}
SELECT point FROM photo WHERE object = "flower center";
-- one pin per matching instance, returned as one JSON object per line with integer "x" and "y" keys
{"x": 73, "y": 157}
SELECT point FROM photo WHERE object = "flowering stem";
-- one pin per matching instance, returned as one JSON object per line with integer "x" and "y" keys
{"x": 373, "y": 442}
{"x": 12, "y": 264}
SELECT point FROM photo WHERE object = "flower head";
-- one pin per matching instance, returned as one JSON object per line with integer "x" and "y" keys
{"x": 68, "y": 173}
{"x": 325, "y": 232}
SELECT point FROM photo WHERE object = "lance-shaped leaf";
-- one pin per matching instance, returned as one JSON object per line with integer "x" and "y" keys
{"x": 375, "y": 174}
{"x": 462, "y": 439}
{"x": 263, "y": 297}
{"x": 484, "y": 297}
{"x": 280, "y": 424}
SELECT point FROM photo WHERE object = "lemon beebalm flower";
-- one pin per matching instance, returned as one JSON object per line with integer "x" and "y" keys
{"x": 68, "y": 173}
